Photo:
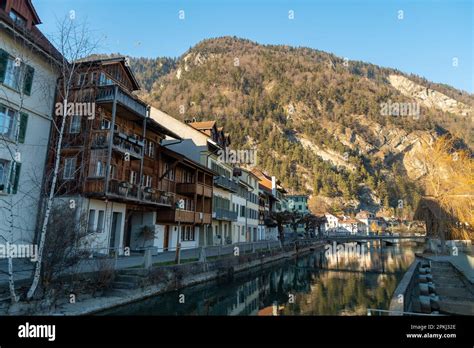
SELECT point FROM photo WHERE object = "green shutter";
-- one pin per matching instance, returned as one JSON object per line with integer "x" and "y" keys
{"x": 14, "y": 180}
{"x": 28, "y": 81}
{"x": 17, "y": 178}
{"x": 23, "y": 124}
{"x": 3, "y": 64}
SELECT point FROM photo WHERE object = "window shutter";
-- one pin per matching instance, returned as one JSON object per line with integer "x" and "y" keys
{"x": 28, "y": 81}
{"x": 16, "y": 179}
{"x": 3, "y": 64}
{"x": 23, "y": 124}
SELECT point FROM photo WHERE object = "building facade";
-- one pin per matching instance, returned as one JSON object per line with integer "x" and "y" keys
{"x": 29, "y": 68}
{"x": 125, "y": 184}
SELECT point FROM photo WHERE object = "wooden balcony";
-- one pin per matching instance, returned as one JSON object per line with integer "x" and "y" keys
{"x": 202, "y": 218}
{"x": 125, "y": 192}
{"x": 184, "y": 216}
{"x": 132, "y": 103}
{"x": 175, "y": 215}
{"x": 194, "y": 188}
{"x": 121, "y": 143}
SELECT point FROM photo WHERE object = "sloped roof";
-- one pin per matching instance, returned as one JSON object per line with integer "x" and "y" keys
{"x": 34, "y": 36}
{"x": 111, "y": 60}
{"x": 203, "y": 125}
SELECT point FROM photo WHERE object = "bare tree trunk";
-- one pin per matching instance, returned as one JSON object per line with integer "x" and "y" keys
{"x": 49, "y": 204}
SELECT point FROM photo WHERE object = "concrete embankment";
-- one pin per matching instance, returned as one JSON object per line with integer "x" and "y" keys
{"x": 436, "y": 285}
{"x": 138, "y": 284}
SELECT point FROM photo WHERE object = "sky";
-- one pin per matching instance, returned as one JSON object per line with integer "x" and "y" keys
{"x": 432, "y": 38}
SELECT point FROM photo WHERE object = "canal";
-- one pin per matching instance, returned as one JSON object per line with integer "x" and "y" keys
{"x": 319, "y": 283}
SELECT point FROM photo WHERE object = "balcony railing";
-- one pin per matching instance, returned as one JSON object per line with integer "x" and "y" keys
{"x": 151, "y": 195}
{"x": 184, "y": 216}
{"x": 202, "y": 218}
{"x": 106, "y": 94}
{"x": 121, "y": 142}
{"x": 192, "y": 188}
{"x": 125, "y": 144}
{"x": 226, "y": 183}
{"x": 129, "y": 192}
{"x": 124, "y": 189}
{"x": 224, "y": 214}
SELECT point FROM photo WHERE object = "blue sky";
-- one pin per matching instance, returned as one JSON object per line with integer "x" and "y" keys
{"x": 426, "y": 41}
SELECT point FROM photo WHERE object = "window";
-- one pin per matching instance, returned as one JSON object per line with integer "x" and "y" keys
{"x": 148, "y": 181}
{"x": 17, "y": 18}
{"x": 104, "y": 80}
{"x": 151, "y": 149}
{"x": 7, "y": 122}
{"x": 91, "y": 221}
{"x": 100, "y": 222}
{"x": 4, "y": 166}
{"x": 169, "y": 171}
{"x": 81, "y": 80}
{"x": 242, "y": 211}
{"x": 69, "y": 168}
{"x": 187, "y": 233}
{"x": 113, "y": 171}
{"x": 133, "y": 177}
{"x": 187, "y": 177}
{"x": 100, "y": 168}
{"x": 75, "y": 125}
{"x": 93, "y": 78}
{"x": 104, "y": 124}
{"x": 12, "y": 73}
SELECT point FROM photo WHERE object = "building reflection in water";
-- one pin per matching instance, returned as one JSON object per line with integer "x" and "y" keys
{"x": 315, "y": 284}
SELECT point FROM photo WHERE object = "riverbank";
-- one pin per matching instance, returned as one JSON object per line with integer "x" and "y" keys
{"x": 162, "y": 279}
{"x": 435, "y": 285}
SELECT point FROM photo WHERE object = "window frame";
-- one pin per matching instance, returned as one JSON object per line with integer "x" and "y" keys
{"x": 67, "y": 168}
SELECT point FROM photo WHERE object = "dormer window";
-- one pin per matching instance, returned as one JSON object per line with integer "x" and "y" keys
{"x": 17, "y": 18}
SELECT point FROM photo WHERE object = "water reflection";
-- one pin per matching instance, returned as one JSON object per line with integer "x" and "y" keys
{"x": 316, "y": 284}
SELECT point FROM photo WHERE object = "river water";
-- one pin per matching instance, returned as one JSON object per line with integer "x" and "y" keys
{"x": 321, "y": 283}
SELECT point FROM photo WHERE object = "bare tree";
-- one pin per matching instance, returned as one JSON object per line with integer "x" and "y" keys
{"x": 74, "y": 41}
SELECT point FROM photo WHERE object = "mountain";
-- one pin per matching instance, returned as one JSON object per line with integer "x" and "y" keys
{"x": 324, "y": 125}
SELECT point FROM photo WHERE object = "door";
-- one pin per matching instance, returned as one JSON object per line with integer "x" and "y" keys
{"x": 115, "y": 230}
{"x": 166, "y": 240}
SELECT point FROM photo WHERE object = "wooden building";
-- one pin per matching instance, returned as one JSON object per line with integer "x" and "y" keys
{"x": 114, "y": 166}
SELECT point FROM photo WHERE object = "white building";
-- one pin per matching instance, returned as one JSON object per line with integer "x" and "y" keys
{"x": 28, "y": 73}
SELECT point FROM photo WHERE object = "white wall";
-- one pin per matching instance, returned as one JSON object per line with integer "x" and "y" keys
{"x": 39, "y": 106}
{"x": 100, "y": 241}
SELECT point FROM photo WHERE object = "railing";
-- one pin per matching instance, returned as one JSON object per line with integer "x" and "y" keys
{"x": 224, "y": 214}
{"x": 192, "y": 188}
{"x": 166, "y": 185}
{"x": 124, "y": 189}
{"x": 128, "y": 191}
{"x": 157, "y": 197}
{"x": 202, "y": 218}
{"x": 106, "y": 94}
{"x": 125, "y": 145}
{"x": 374, "y": 311}
{"x": 226, "y": 183}
{"x": 73, "y": 140}
{"x": 184, "y": 216}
